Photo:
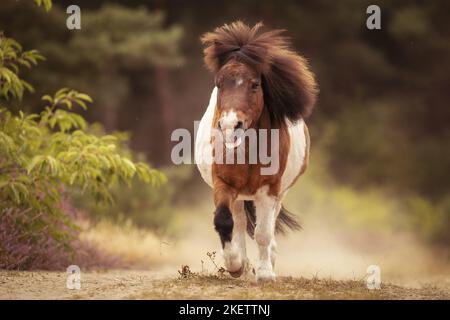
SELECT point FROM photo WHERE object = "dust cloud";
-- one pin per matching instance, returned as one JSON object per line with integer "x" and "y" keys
{"x": 319, "y": 250}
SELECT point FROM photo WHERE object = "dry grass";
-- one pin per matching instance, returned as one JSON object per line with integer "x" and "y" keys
{"x": 135, "y": 246}
{"x": 208, "y": 286}
{"x": 151, "y": 285}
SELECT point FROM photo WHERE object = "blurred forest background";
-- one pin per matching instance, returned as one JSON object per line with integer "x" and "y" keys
{"x": 380, "y": 131}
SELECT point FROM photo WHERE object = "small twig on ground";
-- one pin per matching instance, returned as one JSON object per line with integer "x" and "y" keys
{"x": 212, "y": 256}
{"x": 185, "y": 272}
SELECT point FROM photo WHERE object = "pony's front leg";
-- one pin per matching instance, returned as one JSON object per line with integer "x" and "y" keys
{"x": 234, "y": 252}
{"x": 230, "y": 222}
{"x": 267, "y": 209}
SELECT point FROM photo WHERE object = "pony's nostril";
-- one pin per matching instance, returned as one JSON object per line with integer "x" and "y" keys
{"x": 239, "y": 125}
{"x": 219, "y": 124}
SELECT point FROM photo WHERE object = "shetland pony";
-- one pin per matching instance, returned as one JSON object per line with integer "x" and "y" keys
{"x": 260, "y": 84}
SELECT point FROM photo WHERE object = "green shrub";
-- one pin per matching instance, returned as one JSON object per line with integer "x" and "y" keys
{"x": 44, "y": 154}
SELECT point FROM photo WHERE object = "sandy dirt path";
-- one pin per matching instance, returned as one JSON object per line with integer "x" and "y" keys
{"x": 126, "y": 284}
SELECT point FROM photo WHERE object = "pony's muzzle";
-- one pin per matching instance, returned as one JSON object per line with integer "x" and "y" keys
{"x": 232, "y": 129}
{"x": 238, "y": 125}
{"x": 233, "y": 137}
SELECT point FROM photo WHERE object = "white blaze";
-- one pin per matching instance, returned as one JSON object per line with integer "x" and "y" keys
{"x": 228, "y": 122}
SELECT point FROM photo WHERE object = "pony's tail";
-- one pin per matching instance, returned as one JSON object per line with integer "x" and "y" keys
{"x": 285, "y": 220}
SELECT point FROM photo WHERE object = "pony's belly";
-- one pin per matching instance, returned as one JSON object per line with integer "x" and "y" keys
{"x": 245, "y": 197}
{"x": 203, "y": 148}
{"x": 296, "y": 155}
{"x": 206, "y": 173}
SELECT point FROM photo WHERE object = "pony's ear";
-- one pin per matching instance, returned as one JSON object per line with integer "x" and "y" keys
{"x": 290, "y": 88}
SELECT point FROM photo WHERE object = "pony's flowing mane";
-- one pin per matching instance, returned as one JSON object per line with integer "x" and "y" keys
{"x": 290, "y": 89}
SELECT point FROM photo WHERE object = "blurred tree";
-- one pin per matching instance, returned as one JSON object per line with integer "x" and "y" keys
{"x": 384, "y": 93}
{"x": 120, "y": 40}
{"x": 122, "y": 55}
{"x": 118, "y": 44}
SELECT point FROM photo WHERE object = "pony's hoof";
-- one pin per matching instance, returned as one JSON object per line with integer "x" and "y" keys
{"x": 265, "y": 276}
{"x": 237, "y": 273}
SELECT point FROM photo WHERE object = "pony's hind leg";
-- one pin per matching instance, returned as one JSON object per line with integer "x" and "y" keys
{"x": 234, "y": 252}
{"x": 267, "y": 208}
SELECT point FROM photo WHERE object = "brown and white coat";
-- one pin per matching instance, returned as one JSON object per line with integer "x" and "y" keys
{"x": 260, "y": 84}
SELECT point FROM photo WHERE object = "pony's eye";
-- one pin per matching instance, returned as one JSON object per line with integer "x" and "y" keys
{"x": 255, "y": 86}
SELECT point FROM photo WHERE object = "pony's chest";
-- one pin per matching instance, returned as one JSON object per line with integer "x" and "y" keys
{"x": 244, "y": 177}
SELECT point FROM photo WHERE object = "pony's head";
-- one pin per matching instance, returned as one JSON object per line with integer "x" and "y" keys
{"x": 256, "y": 70}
